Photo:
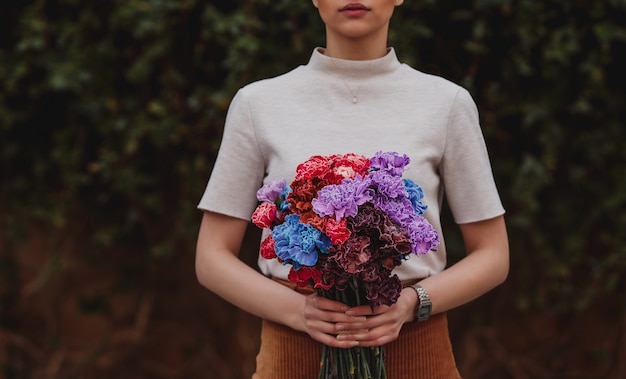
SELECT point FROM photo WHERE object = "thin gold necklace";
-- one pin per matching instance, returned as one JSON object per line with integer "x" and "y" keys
{"x": 355, "y": 94}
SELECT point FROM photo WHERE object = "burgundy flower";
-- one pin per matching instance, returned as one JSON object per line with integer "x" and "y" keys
{"x": 384, "y": 291}
{"x": 333, "y": 275}
{"x": 353, "y": 254}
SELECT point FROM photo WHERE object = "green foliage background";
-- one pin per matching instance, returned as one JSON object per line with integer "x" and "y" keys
{"x": 111, "y": 114}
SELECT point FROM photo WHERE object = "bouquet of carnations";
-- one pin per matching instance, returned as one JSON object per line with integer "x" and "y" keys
{"x": 343, "y": 224}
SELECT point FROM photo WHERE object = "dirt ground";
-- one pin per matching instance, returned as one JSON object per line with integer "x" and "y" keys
{"x": 67, "y": 314}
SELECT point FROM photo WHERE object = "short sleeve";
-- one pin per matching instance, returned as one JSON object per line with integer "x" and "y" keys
{"x": 239, "y": 168}
{"x": 469, "y": 186}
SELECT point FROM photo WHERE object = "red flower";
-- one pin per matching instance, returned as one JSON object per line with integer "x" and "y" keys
{"x": 264, "y": 215}
{"x": 305, "y": 276}
{"x": 337, "y": 230}
{"x": 303, "y": 192}
{"x": 316, "y": 166}
{"x": 314, "y": 220}
{"x": 267, "y": 248}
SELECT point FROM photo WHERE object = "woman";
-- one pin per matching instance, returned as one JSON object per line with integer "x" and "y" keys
{"x": 354, "y": 96}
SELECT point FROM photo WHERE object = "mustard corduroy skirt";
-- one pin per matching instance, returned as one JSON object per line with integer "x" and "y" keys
{"x": 422, "y": 351}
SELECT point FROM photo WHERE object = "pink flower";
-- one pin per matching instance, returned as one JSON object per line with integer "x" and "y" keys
{"x": 344, "y": 172}
{"x": 347, "y": 166}
{"x": 264, "y": 215}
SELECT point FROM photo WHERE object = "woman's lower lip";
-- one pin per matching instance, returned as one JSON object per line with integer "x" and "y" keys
{"x": 354, "y": 12}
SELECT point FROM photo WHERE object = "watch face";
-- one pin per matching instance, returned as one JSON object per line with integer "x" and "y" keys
{"x": 424, "y": 311}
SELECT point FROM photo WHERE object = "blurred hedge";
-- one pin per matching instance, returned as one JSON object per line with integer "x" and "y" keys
{"x": 111, "y": 114}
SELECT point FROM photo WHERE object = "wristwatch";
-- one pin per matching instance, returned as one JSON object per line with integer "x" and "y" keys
{"x": 424, "y": 305}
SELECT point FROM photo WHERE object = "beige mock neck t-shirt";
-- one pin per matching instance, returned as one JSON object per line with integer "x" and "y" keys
{"x": 275, "y": 124}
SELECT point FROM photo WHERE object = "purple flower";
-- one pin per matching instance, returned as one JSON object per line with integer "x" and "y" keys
{"x": 400, "y": 210}
{"x": 275, "y": 192}
{"x": 389, "y": 161}
{"x": 342, "y": 200}
{"x": 386, "y": 185}
{"x": 271, "y": 191}
{"x": 424, "y": 237}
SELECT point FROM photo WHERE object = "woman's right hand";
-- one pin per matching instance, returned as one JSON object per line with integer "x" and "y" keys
{"x": 320, "y": 317}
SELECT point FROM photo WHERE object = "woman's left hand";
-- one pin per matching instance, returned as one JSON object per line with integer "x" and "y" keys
{"x": 383, "y": 323}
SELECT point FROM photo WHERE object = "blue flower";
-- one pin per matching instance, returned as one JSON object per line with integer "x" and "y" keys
{"x": 284, "y": 204}
{"x": 416, "y": 194}
{"x": 299, "y": 244}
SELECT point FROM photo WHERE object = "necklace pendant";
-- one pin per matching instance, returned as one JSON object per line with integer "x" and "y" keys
{"x": 355, "y": 100}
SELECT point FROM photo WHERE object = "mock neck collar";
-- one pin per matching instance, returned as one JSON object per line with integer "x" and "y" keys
{"x": 352, "y": 68}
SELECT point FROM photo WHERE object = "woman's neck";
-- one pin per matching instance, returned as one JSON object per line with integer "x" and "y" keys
{"x": 356, "y": 49}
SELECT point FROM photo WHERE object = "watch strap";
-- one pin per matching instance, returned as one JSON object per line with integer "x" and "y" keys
{"x": 424, "y": 306}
